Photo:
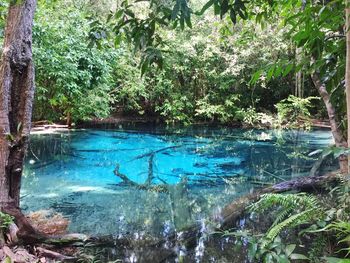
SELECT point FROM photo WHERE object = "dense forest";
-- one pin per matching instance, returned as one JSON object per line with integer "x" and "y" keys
{"x": 258, "y": 65}
{"x": 85, "y": 70}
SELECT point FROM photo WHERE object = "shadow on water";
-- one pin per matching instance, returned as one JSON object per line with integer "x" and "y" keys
{"x": 143, "y": 185}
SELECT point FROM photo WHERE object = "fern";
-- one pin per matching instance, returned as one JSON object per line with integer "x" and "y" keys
{"x": 342, "y": 232}
{"x": 290, "y": 222}
{"x": 287, "y": 202}
{"x": 292, "y": 210}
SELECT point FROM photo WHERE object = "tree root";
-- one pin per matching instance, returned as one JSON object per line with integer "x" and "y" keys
{"x": 43, "y": 252}
{"x": 24, "y": 233}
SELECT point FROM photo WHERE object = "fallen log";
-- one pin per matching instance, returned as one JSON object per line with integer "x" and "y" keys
{"x": 310, "y": 184}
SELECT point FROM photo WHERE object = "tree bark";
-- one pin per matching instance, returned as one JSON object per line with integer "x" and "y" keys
{"x": 339, "y": 140}
{"x": 347, "y": 71}
{"x": 16, "y": 99}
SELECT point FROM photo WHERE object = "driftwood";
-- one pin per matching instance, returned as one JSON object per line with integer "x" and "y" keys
{"x": 156, "y": 151}
{"x": 146, "y": 186}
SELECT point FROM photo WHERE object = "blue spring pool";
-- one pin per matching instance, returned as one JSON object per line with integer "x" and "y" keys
{"x": 167, "y": 178}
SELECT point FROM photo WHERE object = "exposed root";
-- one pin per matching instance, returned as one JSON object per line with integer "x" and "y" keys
{"x": 43, "y": 252}
{"x": 18, "y": 255}
{"x": 26, "y": 232}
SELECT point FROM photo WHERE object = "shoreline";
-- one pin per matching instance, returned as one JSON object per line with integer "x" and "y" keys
{"x": 46, "y": 127}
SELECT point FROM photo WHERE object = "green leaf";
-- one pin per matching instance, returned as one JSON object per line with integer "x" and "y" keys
{"x": 118, "y": 14}
{"x": 289, "y": 249}
{"x": 224, "y": 8}
{"x": 188, "y": 21}
{"x": 233, "y": 16}
{"x": 255, "y": 77}
{"x": 175, "y": 11}
{"x": 287, "y": 70}
{"x": 283, "y": 259}
{"x": 270, "y": 73}
{"x": 253, "y": 248}
{"x": 296, "y": 256}
{"x": 206, "y": 6}
{"x": 336, "y": 260}
{"x": 217, "y": 8}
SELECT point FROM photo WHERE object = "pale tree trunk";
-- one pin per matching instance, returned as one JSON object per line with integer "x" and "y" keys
{"x": 347, "y": 70}
{"x": 339, "y": 139}
{"x": 298, "y": 76}
{"x": 16, "y": 99}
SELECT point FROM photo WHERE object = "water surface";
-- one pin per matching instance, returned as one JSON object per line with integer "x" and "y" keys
{"x": 175, "y": 177}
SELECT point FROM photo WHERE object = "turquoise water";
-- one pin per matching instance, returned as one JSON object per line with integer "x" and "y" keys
{"x": 176, "y": 177}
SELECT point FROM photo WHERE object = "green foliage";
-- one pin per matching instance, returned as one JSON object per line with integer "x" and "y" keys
{"x": 337, "y": 220}
{"x": 72, "y": 79}
{"x": 5, "y": 220}
{"x": 292, "y": 210}
{"x": 249, "y": 117}
{"x": 336, "y": 260}
{"x": 342, "y": 230}
{"x": 225, "y": 112}
{"x": 86, "y": 67}
{"x": 294, "y": 112}
{"x": 274, "y": 252}
{"x": 202, "y": 79}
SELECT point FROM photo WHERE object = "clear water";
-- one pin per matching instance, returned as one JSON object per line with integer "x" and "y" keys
{"x": 198, "y": 170}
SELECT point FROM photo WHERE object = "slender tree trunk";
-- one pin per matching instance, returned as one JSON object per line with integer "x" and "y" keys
{"x": 298, "y": 76}
{"x": 347, "y": 70}
{"x": 16, "y": 99}
{"x": 339, "y": 140}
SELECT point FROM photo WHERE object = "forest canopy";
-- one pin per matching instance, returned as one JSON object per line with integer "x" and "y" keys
{"x": 214, "y": 70}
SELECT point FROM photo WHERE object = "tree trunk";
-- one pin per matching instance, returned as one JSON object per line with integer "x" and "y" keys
{"x": 339, "y": 140}
{"x": 16, "y": 99}
{"x": 347, "y": 70}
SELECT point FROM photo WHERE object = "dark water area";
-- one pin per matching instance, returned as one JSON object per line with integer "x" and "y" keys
{"x": 171, "y": 178}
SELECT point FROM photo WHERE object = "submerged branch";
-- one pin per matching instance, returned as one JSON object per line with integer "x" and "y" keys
{"x": 163, "y": 188}
{"x": 156, "y": 151}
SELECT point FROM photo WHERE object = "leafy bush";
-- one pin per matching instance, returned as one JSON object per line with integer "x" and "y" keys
{"x": 294, "y": 112}
{"x": 225, "y": 112}
{"x": 73, "y": 79}
{"x": 251, "y": 118}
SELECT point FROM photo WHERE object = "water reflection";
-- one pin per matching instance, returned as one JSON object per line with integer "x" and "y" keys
{"x": 147, "y": 183}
